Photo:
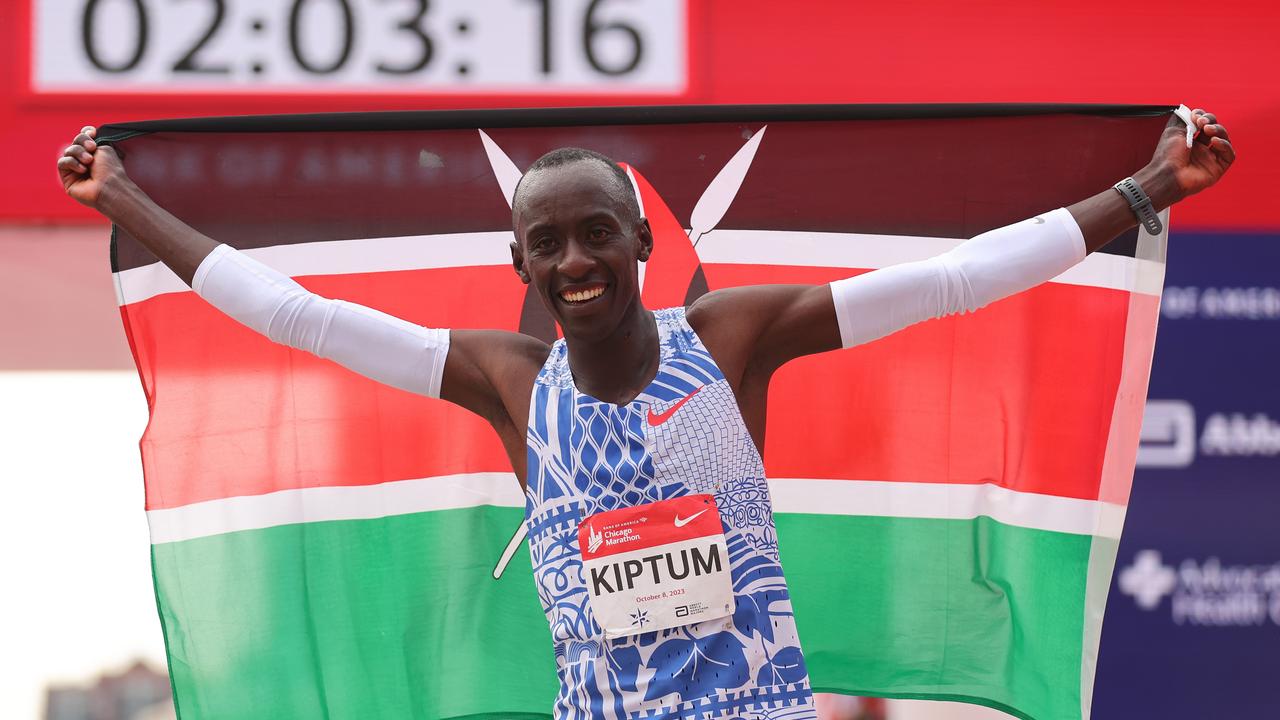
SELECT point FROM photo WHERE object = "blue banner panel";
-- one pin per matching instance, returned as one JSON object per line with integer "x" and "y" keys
{"x": 1193, "y": 620}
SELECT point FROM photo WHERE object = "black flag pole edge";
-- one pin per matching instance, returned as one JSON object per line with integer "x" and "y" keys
{"x": 621, "y": 115}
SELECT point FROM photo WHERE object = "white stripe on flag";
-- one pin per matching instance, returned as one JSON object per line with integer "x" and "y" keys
{"x": 790, "y": 495}
{"x": 852, "y": 250}
{"x": 319, "y": 504}
{"x": 750, "y": 247}
{"x": 342, "y": 257}
{"x": 947, "y": 501}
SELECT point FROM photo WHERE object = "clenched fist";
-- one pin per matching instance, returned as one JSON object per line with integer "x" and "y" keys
{"x": 86, "y": 169}
{"x": 1201, "y": 165}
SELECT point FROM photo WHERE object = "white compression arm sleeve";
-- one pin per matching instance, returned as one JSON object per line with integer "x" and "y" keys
{"x": 374, "y": 344}
{"x": 993, "y": 265}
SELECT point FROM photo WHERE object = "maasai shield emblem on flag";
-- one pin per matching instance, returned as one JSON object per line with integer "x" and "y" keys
{"x": 948, "y": 499}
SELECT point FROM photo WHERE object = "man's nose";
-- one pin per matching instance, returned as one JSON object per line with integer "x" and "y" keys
{"x": 577, "y": 261}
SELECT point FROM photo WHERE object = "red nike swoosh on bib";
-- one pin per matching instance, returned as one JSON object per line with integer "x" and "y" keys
{"x": 657, "y": 419}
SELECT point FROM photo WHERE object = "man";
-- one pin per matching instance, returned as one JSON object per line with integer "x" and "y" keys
{"x": 637, "y": 437}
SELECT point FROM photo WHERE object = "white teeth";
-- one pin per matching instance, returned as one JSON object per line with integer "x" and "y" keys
{"x": 582, "y": 295}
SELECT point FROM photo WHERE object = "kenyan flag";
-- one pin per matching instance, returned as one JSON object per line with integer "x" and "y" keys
{"x": 948, "y": 499}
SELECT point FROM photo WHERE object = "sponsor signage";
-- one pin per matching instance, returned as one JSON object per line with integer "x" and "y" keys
{"x": 1221, "y": 303}
{"x": 1205, "y": 593}
{"x": 1192, "y": 625}
{"x": 1170, "y": 437}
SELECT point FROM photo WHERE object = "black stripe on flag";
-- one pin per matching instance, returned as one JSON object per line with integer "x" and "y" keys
{"x": 933, "y": 170}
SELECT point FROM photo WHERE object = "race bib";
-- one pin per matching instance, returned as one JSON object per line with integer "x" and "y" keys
{"x": 656, "y": 566}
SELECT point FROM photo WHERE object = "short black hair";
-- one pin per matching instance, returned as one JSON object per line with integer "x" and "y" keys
{"x": 624, "y": 191}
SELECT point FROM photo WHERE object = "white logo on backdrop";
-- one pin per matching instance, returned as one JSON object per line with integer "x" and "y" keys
{"x": 1205, "y": 593}
{"x": 1168, "y": 437}
{"x": 1221, "y": 303}
{"x": 1148, "y": 579}
{"x": 1240, "y": 434}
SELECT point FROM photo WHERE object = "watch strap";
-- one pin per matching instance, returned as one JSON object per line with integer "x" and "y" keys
{"x": 1140, "y": 204}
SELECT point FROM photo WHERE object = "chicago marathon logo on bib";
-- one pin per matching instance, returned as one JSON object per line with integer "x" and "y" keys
{"x": 656, "y": 566}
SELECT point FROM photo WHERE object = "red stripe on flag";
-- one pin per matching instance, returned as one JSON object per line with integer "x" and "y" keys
{"x": 1019, "y": 394}
{"x": 1004, "y": 396}
{"x": 234, "y": 414}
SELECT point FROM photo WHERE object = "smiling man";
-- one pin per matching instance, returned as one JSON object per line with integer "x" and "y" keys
{"x": 637, "y": 437}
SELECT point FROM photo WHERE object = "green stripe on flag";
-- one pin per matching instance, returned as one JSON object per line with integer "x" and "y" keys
{"x": 925, "y": 607}
{"x": 400, "y": 617}
{"x": 383, "y": 618}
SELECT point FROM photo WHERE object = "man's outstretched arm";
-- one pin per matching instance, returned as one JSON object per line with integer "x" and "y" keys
{"x": 422, "y": 360}
{"x": 774, "y": 324}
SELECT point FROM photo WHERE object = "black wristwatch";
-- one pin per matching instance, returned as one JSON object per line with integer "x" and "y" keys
{"x": 1140, "y": 204}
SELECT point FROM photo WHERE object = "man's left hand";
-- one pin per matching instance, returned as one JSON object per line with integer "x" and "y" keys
{"x": 1197, "y": 167}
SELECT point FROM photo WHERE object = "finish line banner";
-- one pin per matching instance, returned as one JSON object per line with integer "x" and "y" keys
{"x": 948, "y": 499}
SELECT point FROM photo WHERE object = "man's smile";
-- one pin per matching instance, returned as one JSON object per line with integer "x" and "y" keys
{"x": 582, "y": 293}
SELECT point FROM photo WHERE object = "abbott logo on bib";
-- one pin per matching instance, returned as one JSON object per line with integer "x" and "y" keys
{"x": 656, "y": 566}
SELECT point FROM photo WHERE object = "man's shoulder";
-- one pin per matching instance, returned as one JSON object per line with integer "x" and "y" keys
{"x": 493, "y": 375}
{"x": 503, "y": 347}
{"x": 707, "y": 306}
{"x": 735, "y": 305}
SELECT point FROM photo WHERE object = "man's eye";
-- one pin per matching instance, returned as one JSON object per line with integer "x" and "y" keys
{"x": 599, "y": 232}
{"x": 543, "y": 243}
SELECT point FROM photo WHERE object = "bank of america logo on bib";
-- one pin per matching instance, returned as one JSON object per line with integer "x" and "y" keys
{"x": 656, "y": 566}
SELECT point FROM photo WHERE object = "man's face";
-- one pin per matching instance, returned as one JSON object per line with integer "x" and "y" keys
{"x": 577, "y": 244}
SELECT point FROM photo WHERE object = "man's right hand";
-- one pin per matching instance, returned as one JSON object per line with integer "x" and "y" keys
{"x": 85, "y": 168}
{"x": 94, "y": 176}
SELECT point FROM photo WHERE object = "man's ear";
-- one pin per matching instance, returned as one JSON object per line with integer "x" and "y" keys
{"x": 646, "y": 240}
{"x": 517, "y": 261}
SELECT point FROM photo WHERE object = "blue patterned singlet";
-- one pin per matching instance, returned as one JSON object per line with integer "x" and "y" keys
{"x": 587, "y": 456}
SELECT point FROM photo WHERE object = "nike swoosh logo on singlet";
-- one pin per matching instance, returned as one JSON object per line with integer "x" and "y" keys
{"x": 681, "y": 522}
{"x": 656, "y": 419}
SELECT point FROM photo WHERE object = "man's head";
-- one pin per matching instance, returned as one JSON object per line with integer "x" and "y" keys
{"x": 578, "y": 236}
{"x": 621, "y": 184}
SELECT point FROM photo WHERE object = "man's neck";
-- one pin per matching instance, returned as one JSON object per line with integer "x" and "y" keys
{"x": 617, "y": 367}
